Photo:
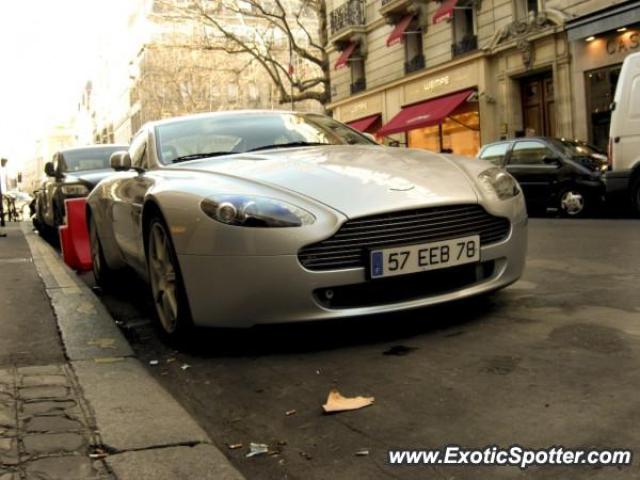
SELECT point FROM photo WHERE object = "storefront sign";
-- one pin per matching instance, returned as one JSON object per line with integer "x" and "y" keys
{"x": 435, "y": 86}
{"x": 624, "y": 43}
{"x": 362, "y": 108}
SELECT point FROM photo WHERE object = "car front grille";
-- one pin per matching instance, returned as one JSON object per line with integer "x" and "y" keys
{"x": 348, "y": 247}
{"x": 404, "y": 288}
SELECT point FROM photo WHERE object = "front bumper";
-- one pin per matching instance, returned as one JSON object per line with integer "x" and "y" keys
{"x": 616, "y": 182}
{"x": 242, "y": 291}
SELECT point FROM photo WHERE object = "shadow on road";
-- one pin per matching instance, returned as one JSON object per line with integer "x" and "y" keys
{"x": 293, "y": 338}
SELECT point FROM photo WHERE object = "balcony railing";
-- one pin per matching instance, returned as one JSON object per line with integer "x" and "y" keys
{"x": 358, "y": 86}
{"x": 349, "y": 14}
{"x": 415, "y": 64}
{"x": 467, "y": 44}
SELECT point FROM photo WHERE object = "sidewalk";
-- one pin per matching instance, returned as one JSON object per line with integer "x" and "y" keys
{"x": 74, "y": 401}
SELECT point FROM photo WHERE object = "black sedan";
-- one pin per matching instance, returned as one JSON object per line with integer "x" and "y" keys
{"x": 72, "y": 173}
{"x": 553, "y": 172}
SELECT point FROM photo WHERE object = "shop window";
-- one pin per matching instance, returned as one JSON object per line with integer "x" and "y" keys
{"x": 459, "y": 133}
{"x": 464, "y": 28}
{"x": 413, "y": 52}
{"x": 358, "y": 78}
{"x": 601, "y": 85}
{"x": 530, "y": 153}
{"x": 525, "y": 8}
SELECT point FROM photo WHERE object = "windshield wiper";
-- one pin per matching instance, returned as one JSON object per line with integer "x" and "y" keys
{"x": 288, "y": 145}
{"x": 195, "y": 156}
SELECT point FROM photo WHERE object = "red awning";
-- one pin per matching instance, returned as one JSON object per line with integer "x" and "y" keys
{"x": 365, "y": 123}
{"x": 345, "y": 55}
{"x": 398, "y": 33}
{"x": 445, "y": 11}
{"x": 424, "y": 114}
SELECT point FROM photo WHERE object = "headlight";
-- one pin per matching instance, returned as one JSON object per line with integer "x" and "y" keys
{"x": 251, "y": 211}
{"x": 498, "y": 182}
{"x": 75, "y": 189}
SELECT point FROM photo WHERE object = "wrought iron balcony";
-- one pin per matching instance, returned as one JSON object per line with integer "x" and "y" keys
{"x": 467, "y": 44}
{"x": 358, "y": 86}
{"x": 348, "y": 15}
{"x": 415, "y": 64}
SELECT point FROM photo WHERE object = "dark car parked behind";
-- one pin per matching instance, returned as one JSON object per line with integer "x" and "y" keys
{"x": 553, "y": 172}
{"x": 72, "y": 173}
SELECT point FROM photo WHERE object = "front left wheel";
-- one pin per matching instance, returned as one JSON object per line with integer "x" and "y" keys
{"x": 573, "y": 203}
{"x": 167, "y": 288}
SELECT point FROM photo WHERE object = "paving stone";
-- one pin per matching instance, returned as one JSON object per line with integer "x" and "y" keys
{"x": 62, "y": 468}
{"x": 52, "y": 423}
{"x": 37, "y": 380}
{"x": 50, "y": 406}
{"x": 32, "y": 393}
{"x": 42, "y": 370}
{"x": 44, "y": 443}
{"x": 8, "y": 451}
{"x": 6, "y": 376}
{"x": 7, "y": 416}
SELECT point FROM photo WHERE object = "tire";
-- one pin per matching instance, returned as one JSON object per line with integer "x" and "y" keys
{"x": 634, "y": 193}
{"x": 165, "y": 281}
{"x": 105, "y": 277}
{"x": 573, "y": 202}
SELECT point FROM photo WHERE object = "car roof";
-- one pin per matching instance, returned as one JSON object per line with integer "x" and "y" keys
{"x": 93, "y": 147}
{"x": 222, "y": 114}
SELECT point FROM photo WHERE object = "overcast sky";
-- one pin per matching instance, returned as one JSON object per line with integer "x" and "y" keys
{"x": 47, "y": 53}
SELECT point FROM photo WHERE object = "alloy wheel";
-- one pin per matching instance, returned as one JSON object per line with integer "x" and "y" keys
{"x": 162, "y": 273}
{"x": 572, "y": 203}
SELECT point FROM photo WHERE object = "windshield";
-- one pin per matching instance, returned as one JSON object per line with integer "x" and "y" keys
{"x": 88, "y": 158}
{"x": 575, "y": 149}
{"x": 229, "y": 133}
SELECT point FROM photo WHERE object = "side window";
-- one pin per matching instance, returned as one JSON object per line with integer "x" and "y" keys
{"x": 495, "y": 153}
{"x": 529, "y": 153}
{"x": 138, "y": 151}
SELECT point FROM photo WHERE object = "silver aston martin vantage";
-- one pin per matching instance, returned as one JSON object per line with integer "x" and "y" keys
{"x": 249, "y": 217}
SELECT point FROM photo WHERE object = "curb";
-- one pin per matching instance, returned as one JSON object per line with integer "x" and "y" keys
{"x": 146, "y": 432}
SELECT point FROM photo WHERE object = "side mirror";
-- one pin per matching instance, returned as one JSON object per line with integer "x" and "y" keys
{"x": 49, "y": 170}
{"x": 370, "y": 136}
{"x": 120, "y": 161}
{"x": 548, "y": 160}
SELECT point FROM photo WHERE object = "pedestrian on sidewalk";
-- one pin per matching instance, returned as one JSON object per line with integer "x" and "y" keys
{"x": 3, "y": 188}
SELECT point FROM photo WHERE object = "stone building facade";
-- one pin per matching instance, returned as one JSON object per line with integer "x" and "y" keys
{"x": 453, "y": 75}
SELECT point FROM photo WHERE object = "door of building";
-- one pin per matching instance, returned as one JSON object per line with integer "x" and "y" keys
{"x": 538, "y": 108}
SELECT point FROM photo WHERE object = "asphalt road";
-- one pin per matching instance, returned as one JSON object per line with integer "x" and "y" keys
{"x": 552, "y": 360}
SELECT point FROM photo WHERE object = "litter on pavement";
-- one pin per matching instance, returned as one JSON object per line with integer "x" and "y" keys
{"x": 257, "y": 449}
{"x": 234, "y": 446}
{"x": 288, "y": 413}
{"x": 186, "y": 366}
{"x": 153, "y": 362}
{"x": 337, "y": 403}
{"x": 363, "y": 452}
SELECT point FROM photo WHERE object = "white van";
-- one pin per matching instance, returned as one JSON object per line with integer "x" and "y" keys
{"x": 624, "y": 134}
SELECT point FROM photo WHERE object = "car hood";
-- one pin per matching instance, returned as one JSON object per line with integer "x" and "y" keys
{"x": 356, "y": 180}
{"x": 90, "y": 177}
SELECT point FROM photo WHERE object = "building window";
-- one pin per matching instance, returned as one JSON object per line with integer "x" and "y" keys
{"x": 413, "y": 52}
{"x": 601, "y": 85}
{"x": 458, "y": 133}
{"x": 464, "y": 28}
{"x": 525, "y": 8}
{"x": 358, "y": 78}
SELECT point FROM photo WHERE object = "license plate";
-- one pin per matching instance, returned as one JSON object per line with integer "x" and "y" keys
{"x": 388, "y": 262}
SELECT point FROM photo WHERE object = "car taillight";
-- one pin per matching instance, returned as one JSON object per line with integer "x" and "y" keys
{"x": 610, "y": 154}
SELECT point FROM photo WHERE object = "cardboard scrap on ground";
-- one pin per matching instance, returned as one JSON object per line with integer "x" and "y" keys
{"x": 337, "y": 403}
